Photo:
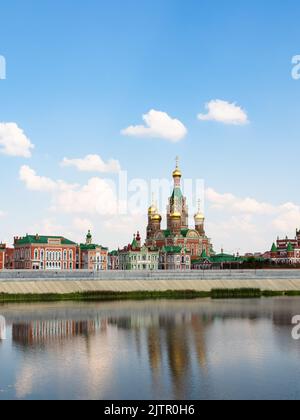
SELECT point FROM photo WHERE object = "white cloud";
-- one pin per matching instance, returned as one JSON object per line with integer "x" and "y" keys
{"x": 13, "y": 141}
{"x": 224, "y": 112}
{"x": 93, "y": 163}
{"x": 288, "y": 219}
{"x": 35, "y": 182}
{"x": 98, "y": 196}
{"x": 248, "y": 224}
{"x": 231, "y": 203}
{"x": 158, "y": 125}
{"x": 82, "y": 225}
{"x": 2, "y": 214}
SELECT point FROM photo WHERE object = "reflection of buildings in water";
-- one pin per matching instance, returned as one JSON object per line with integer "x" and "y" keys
{"x": 87, "y": 373}
{"x": 154, "y": 349}
{"x": 2, "y": 328}
{"x": 42, "y": 332}
{"x": 177, "y": 338}
{"x": 199, "y": 326}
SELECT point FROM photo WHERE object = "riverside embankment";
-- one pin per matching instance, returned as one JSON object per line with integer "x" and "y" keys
{"x": 46, "y": 282}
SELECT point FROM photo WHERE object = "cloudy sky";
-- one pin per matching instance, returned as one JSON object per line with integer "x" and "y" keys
{"x": 97, "y": 87}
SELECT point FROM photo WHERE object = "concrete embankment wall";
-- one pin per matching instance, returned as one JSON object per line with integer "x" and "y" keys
{"x": 37, "y": 282}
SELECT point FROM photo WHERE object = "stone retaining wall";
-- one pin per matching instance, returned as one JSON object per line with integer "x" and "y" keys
{"x": 83, "y": 281}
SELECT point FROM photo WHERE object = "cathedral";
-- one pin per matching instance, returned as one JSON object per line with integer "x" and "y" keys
{"x": 178, "y": 234}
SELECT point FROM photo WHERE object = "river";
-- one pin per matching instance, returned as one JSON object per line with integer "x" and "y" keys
{"x": 183, "y": 349}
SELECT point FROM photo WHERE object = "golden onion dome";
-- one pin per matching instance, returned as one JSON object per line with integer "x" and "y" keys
{"x": 176, "y": 215}
{"x": 177, "y": 173}
{"x": 199, "y": 216}
{"x": 156, "y": 218}
{"x": 152, "y": 210}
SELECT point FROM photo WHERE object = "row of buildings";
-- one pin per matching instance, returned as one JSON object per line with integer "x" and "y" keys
{"x": 177, "y": 247}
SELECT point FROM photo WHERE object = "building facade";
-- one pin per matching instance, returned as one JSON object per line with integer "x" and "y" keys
{"x": 113, "y": 260}
{"x": 35, "y": 252}
{"x": 92, "y": 257}
{"x": 191, "y": 241}
{"x": 2, "y": 256}
{"x": 174, "y": 258}
{"x": 286, "y": 251}
{"x": 137, "y": 257}
{"x": 6, "y": 257}
{"x": 217, "y": 262}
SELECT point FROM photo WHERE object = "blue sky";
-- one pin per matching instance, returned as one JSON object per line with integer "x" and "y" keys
{"x": 80, "y": 72}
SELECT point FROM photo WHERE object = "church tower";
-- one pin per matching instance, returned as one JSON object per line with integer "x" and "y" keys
{"x": 177, "y": 210}
{"x": 154, "y": 221}
{"x": 199, "y": 221}
{"x": 89, "y": 238}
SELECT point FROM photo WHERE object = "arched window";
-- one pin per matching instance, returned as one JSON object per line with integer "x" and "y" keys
{"x": 36, "y": 254}
{"x": 42, "y": 254}
{"x": 65, "y": 255}
{"x": 71, "y": 255}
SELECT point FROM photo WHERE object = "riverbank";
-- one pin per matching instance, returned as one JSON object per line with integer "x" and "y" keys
{"x": 118, "y": 296}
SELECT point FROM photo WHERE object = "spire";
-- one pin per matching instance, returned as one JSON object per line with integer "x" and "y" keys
{"x": 177, "y": 173}
{"x": 89, "y": 238}
{"x": 274, "y": 248}
{"x": 153, "y": 208}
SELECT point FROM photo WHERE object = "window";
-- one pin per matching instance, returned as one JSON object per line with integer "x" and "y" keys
{"x": 36, "y": 254}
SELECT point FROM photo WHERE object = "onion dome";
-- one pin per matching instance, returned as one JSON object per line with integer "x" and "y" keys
{"x": 177, "y": 173}
{"x": 199, "y": 217}
{"x": 176, "y": 215}
{"x": 156, "y": 218}
{"x": 152, "y": 210}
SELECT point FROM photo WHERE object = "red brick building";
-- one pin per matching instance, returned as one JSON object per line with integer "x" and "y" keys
{"x": 286, "y": 251}
{"x": 92, "y": 257}
{"x": 2, "y": 256}
{"x": 35, "y": 252}
{"x": 6, "y": 257}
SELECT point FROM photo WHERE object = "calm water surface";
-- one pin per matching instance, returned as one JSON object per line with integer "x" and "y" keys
{"x": 199, "y": 349}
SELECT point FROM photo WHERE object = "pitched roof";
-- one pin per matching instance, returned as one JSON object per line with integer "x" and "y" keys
{"x": 91, "y": 247}
{"x": 184, "y": 232}
{"x": 172, "y": 249}
{"x": 42, "y": 240}
{"x": 274, "y": 248}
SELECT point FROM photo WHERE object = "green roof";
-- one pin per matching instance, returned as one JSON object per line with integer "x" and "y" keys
{"x": 177, "y": 194}
{"x": 42, "y": 240}
{"x": 167, "y": 233}
{"x": 114, "y": 253}
{"x": 134, "y": 244}
{"x": 225, "y": 258}
{"x": 184, "y": 232}
{"x": 172, "y": 249}
{"x": 274, "y": 248}
{"x": 204, "y": 254}
{"x": 91, "y": 247}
